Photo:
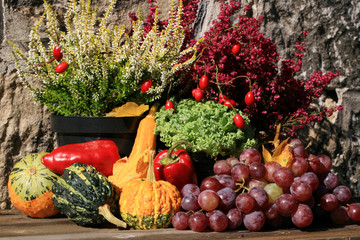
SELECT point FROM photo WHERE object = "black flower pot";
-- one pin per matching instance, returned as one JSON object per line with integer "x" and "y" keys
{"x": 121, "y": 130}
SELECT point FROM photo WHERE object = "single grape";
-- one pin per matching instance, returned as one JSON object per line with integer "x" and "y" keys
{"x": 180, "y": 221}
{"x": 208, "y": 200}
{"x": 331, "y": 181}
{"x": 210, "y": 183}
{"x": 299, "y": 167}
{"x": 208, "y": 214}
{"x": 295, "y": 142}
{"x": 261, "y": 183}
{"x": 329, "y": 202}
{"x": 227, "y": 198}
{"x": 250, "y": 155}
{"x": 342, "y": 193}
{"x": 302, "y": 216}
{"x": 254, "y": 221}
{"x": 271, "y": 167}
{"x": 222, "y": 167}
{"x": 198, "y": 222}
{"x": 286, "y": 204}
{"x": 235, "y": 218}
{"x": 314, "y": 164}
{"x": 311, "y": 179}
{"x": 273, "y": 191}
{"x": 260, "y": 196}
{"x": 325, "y": 164}
{"x": 272, "y": 211}
{"x": 339, "y": 215}
{"x": 296, "y": 158}
{"x": 245, "y": 202}
{"x": 240, "y": 172}
{"x": 283, "y": 177}
{"x": 301, "y": 191}
{"x": 353, "y": 211}
{"x": 226, "y": 181}
{"x": 189, "y": 188}
{"x": 232, "y": 161}
{"x": 218, "y": 221}
{"x": 257, "y": 170}
{"x": 190, "y": 202}
{"x": 298, "y": 150}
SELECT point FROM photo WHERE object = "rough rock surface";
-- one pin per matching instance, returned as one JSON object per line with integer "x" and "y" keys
{"x": 332, "y": 44}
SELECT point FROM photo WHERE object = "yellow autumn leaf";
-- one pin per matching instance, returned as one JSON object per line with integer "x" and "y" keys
{"x": 281, "y": 154}
{"x": 129, "y": 109}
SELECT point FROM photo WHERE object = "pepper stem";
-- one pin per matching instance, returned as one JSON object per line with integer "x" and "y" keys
{"x": 169, "y": 158}
{"x": 104, "y": 210}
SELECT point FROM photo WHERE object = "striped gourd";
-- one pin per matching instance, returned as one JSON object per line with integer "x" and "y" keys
{"x": 85, "y": 196}
{"x": 29, "y": 186}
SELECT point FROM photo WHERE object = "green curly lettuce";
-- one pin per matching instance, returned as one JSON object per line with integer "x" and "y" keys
{"x": 208, "y": 127}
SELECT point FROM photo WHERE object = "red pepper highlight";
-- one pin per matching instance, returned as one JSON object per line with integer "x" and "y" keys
{"x": 175, "y": 166}
{"x": 102, "y": 154}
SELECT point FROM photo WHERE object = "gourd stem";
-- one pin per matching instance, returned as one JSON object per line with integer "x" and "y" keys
{"x": 150, "y": 176}
{"x": 153, "y": 109}
{"x": 104, "y": 210}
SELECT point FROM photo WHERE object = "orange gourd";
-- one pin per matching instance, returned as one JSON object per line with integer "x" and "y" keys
{"x": 29, "y": 186}
{"x": 136, "y": 165}
{"x": 147, "y": 203}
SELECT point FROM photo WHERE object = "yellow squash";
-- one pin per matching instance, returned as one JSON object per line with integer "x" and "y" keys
{"x": 136, "y": 165}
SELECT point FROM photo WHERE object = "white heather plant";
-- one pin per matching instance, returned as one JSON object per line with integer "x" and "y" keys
{"x": 106, "y": 65}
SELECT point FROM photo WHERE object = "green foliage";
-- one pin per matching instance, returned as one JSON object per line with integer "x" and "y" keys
{"x": 207, "y": 126}
{"x": 106, "y": 65}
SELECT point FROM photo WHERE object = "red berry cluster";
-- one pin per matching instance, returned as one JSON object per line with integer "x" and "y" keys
{"x": 57, "y": 54}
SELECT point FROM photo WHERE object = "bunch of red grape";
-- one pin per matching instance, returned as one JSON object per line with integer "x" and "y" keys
{"x": 247, "y": 192}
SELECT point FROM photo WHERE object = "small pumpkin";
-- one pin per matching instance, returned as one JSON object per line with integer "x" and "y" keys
{"x": 29, "y": 186}
{"x": 85, "y": 196}
{"x": 149, "y": 204}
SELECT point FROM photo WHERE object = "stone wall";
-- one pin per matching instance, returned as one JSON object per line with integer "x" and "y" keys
{"x": 332, "y": 44}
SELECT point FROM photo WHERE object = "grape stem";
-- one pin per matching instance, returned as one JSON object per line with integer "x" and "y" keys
{"x": 241, "y": 186}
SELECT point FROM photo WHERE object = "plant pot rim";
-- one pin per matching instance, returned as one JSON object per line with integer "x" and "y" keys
{"x": 85, "y": 124}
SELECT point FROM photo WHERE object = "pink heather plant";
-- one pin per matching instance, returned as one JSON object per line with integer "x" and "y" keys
{"x": 280, "y": 97}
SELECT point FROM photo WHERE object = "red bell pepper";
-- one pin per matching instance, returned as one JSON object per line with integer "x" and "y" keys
{"x": 175, "y": 166}
{"x": 102, "y": 154}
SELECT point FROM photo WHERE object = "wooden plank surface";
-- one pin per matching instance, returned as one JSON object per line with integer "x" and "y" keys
{"x": 14, "y": 225}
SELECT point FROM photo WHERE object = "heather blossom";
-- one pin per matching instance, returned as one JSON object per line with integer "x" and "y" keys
{"x": 107, "y": 65}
